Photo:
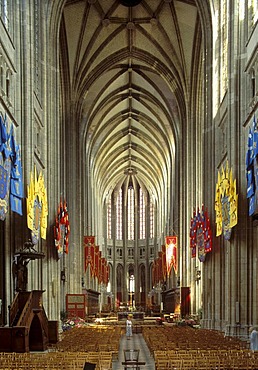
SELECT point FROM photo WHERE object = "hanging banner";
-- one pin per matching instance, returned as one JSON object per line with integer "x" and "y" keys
{"x": 94, "y": 259}
{"x": 193, "y": 227}
{"x": 226, "y": 200}
{"x": 163, "y": 263}
{"x": 171, "y": 253}
{"x": 5, "y": 171}
{"x": 11, "y": 180}
{"x": 157, "y": 270}
{"x": 99, "y": 266}
{"x": 252, "y": 169}
{"x": 106, "y": 274}
{"x": 96, "y": 272}
{"x": 89, "y": 243}
{"x": 200, "y": 234}
{"x": 154, "y": 273}
{"x": 37, "y": 207}
{"x": 160, "y": 263}
{"x": 103, "y": 263}
{"x": 62, "y": 229}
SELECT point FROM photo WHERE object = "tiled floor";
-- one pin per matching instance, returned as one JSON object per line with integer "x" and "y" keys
{"x": 136, "y": 342}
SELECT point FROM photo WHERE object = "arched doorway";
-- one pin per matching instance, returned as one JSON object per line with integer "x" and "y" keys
{"x": 36, "y": 342}
{"x": 142, "y": 298}
{"x": 131, "y": 287}
{"x": 119, "y": 285}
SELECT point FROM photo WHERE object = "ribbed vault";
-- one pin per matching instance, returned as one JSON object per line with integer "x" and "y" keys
{"x": 129, "y": 71}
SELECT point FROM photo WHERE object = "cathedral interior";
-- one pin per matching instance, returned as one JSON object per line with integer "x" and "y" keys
{"x": 128, "y": 165}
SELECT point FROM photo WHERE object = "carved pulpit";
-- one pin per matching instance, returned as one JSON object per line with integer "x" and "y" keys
{"x": 21, "y": 260}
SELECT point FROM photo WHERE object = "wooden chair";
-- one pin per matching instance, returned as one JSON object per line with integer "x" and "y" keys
{"x": 188, "y": 364}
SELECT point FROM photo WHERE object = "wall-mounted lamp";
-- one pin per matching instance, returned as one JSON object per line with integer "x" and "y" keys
{"x": 63, "y": 275}
{"x": 178, "y": 282}
{"x": 197, "y": 274}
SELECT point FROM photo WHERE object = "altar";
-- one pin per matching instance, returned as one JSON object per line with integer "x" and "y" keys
{"x": 136, "y": 315}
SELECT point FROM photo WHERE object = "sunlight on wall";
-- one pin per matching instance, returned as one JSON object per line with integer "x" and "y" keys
{"x": 252, "y": 9}
{"x": 220, "y": 53}
{"x": 215, "y": 63}
{"x": 241, "y": 10}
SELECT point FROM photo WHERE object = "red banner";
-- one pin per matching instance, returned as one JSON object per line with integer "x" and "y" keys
{"x": 200, "y": 234}
{"x": 171, "y": 253}
{"x": 98, "y": 265}
{"x": 164, "y": 265}
{"x": 160, "y": 260}
{"x": 102, "y": 271}
{"x": 89, "y": 244}
{"x": 106, "y": 280}
{"x": 62, "y": 229}
{"x": 96, "y": 261}
{"x": 154, "y": 268}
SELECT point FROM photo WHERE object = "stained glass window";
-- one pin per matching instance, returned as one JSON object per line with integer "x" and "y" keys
{"x": 142, "y": 215}
{"x": 119, "y": 216}
{"x": 37, "y": 51}
{"x": 109, "y": 219}
{"x": 130, "y": 213}
{"x": 151, "y": 220}
{"x": 4, "y": 8}
{"x": 224, "y": 47}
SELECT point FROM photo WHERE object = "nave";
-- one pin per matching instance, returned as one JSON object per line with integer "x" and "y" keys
{"x": 137, "y": 342}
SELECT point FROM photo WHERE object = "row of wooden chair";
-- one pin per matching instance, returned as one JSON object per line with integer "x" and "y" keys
{"x": 171, "y": 337}
{"x": 200, "y": 365}
{"x": 98, "y": 345}
{"x": 205, "y": 360}
{"x": 186, "y": 348}
{"x": 91, "y": 339}
{"x": 172, "y": 347}
{"x": 55, "y": 360}
{"x": 193, "y": 353}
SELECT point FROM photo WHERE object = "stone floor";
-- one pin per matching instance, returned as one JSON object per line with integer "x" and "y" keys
{"x": 136, "y": 342}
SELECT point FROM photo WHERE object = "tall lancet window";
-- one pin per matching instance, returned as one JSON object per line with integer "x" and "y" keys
{"x": 109, "y": 217}
{"x": 151, "y": 220}
{"x": 119, "y": 216}
{"x": 142, "y": 215}
{"x": 130, "y": 213}
{"x": 253, "y": 11}
{"x": 4, "y": 8}
{"x": 224, "y": 47}
{"x": 37, "y": 51}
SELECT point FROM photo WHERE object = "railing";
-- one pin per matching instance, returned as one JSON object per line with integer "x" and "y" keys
{"x": 26, "y": 312}
{"x": 26, "y": 307}
{"x": 14, "y": 309}
{"x": 44, "y": 322}
{"x": 34, "y": 302}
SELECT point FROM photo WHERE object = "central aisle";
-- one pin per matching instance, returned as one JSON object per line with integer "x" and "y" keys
{"x": 137, "y": 342}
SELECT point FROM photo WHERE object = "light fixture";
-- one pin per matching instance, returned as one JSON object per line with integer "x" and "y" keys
{"x": 130, "y": 3}
{"x": 197, "y": 274}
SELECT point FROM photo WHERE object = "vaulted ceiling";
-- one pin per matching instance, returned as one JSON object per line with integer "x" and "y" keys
{"x": 130, "y": 65}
